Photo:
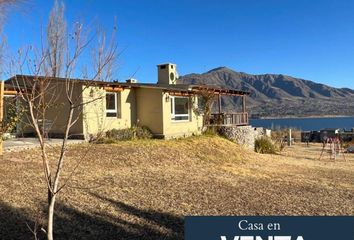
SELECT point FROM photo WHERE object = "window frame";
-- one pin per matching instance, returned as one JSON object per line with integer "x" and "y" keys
{"x": 115, "y": 110}
{"x": 174, "y": 115}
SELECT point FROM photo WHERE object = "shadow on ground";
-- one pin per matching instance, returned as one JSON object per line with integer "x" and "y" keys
{"x": 13, "y": 223}
{"x": 73, "y": 224}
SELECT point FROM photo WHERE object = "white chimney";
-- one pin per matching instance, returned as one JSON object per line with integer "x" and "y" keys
{"x": 166, "y": 73}
{"x": 131, "y": 80}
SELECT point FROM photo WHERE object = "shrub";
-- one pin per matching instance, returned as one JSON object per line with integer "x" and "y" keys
{"x": 120, "y": 134}
{"x": 265, "y": 145}
{"x": 142, "y": 132}
{"x": 210, "y": 131}
{"x": 346, "y": 144}
{"x": 115, "y": 135}
{"x": 280, "y": 137}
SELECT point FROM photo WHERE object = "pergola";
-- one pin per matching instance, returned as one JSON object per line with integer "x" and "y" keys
{"x": 220, "y": 118}
{"x": 4, "y": 90}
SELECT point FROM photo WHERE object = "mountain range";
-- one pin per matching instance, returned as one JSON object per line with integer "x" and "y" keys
{"x": 277, "y": 95}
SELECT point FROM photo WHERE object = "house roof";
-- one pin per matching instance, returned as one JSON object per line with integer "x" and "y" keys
{"x": 330, "y": 129}
{"x": 186, "y": 88}
{"x": 21, "y": 79}
{"x": 177, "y": 88}
{"x": 166, "y": 63}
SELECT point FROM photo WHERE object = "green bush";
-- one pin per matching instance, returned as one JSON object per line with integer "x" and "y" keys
{"x": 265, "y": 145}
{"x": 115, "y": 135}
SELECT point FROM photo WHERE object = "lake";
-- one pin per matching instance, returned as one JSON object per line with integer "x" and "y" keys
{"x": 305, "y": 124}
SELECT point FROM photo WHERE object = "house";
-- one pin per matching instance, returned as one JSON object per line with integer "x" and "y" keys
{"x": 166, "y": 108}
{"x": 324, "y": 134}
{"x": 347, "y": 135}
{"x": 329, "y": 133}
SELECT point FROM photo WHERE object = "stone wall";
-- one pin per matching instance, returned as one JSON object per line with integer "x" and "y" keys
{"x": 243, "y": 135}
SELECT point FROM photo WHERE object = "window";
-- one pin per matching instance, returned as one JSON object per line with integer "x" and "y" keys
{"x": 179, "y": 108}
{"x": 112, "y": 100}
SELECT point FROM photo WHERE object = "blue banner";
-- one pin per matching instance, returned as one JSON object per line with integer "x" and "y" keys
{"x": 269, "y": 228}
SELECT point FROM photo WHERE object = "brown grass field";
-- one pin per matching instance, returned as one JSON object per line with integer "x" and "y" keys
{"x": 143, "y": 189}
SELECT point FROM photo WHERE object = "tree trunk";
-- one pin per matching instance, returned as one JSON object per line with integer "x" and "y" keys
{"x": 51, "y": 217}
{"x": 52, "y": 194}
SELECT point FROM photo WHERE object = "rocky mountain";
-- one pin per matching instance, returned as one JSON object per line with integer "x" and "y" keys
{"x": 277, "y": 95}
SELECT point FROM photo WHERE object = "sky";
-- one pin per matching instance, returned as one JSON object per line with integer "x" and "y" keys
{"x": 312, "y": 40}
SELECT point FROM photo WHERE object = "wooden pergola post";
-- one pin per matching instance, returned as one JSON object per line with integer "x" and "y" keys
{"x": 219, "y": 102}
{"x": 244, "y": 103}
{"x": 2, "y": 89}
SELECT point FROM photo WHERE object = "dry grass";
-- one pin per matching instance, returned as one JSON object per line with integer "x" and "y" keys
{"x": 142, "y": 189}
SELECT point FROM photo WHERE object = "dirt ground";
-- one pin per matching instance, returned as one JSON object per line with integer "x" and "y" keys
{"x": 143, "y": 189}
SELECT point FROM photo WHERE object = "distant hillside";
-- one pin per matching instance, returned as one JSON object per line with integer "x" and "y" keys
{"x": 277, "y": 95}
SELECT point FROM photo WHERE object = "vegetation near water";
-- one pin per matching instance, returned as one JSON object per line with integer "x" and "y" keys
{"x": 265, "y": 145}
{"x": 305, "y": 124}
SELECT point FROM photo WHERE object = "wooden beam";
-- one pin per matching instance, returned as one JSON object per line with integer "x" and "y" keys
{"x": 229, "y": 94}
{"x": 216, "y": 91}
{"x": 179, "y": 93}
{"x": 2, "y": 86}
{"x": 113, "y": 89}
{"x": 10, "y": 92}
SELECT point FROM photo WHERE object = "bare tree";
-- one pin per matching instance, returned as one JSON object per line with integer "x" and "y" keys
{"x": 56, "y": 32}
{"x": 40, "y": 90}
{"x": 2, "y": 48}
{"x": 206, "y": 100}
{"x": 279, "y": 137}
{"x": 5, "y": 124}
{"x": 4, "y": 6}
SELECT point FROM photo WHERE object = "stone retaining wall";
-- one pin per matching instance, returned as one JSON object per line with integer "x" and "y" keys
{"x": 243, "y": 135}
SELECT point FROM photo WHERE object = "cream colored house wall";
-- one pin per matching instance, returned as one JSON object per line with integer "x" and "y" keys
{"x": 144, "y": 106}
{"x": 94, "y": 113}
{"x": 175, "y": 129}
{"x": 149, "y": 109}
{"x": 57, "y": 111}
{"x": 154, "y": 112}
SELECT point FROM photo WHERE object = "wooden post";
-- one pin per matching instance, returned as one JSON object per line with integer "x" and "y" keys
{"x": 219, "y": 102}
{"x": 289, "y": 137}
{"x": 2, "y": 88}
{"x": 244, "y": 103}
